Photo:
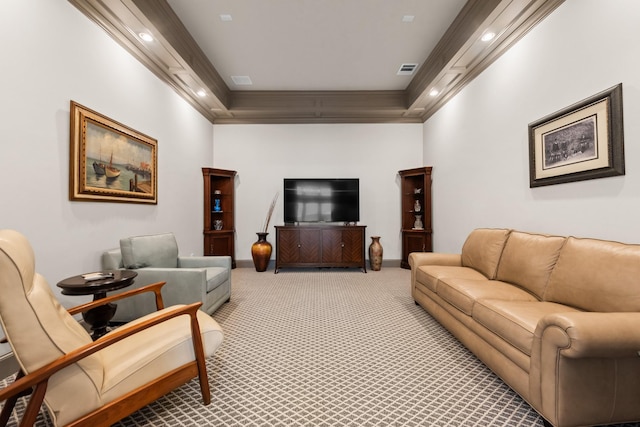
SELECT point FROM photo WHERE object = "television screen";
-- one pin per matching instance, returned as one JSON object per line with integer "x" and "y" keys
{"x": 321, "y": 200}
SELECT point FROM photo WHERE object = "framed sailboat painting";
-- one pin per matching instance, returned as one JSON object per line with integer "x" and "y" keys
{"x": 110, "y": 162}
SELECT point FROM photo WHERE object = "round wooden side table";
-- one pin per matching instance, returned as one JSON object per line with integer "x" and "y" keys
{"x": 109, "y": 280}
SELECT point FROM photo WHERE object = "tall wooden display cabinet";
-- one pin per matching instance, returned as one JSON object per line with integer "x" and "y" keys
{"x": 219, "y": 216}
{"x": 416, "y": 212}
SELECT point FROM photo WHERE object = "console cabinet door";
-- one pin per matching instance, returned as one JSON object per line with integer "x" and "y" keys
{"x": 332, "y": 246}
{"x": 310, "y": 248}
{"x": 342, "y": 246}
{"x": 353, "y": 242}
{"x": 298, "y": 246}
{"x": 288, "y": 246}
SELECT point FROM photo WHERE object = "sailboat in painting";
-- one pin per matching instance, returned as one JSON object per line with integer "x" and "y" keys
{"x": 110, "y": 170}
{"x": 98, "y": 167}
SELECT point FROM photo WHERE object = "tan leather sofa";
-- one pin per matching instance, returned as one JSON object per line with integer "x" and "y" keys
{"x": 557, "y": 318}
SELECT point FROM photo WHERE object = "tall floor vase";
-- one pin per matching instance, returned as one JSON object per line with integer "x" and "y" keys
{"x": 261, "y": 252}
{"x": 375, "y": 254}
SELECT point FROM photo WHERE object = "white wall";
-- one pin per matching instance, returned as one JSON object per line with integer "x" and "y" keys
{"x": 53, "y": 54}
{"x": 478, "y": 143}
{"x": 263, "y": 155}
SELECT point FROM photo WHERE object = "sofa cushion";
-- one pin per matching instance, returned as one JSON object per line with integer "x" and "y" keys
{"x": 482, "y": 250}
{"x": 158, "y": 250}
{"x": 515, "y": 321}
{"x": 528, "y": 259}
{"x": 596, "y": 275}
{"x": 429, "y": 275}
{"x": 216, "y": 276}
{"x": 463, "y": 293}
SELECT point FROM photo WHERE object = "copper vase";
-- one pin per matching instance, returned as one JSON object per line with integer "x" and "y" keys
{"x": 261, "y": 252}
{"x": 375, "y": 254}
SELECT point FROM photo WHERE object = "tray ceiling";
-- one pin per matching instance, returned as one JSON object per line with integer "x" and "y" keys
{"x": 326, "y": 61}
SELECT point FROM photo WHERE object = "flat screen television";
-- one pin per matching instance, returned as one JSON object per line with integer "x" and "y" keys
{"x": 321, "y": 200}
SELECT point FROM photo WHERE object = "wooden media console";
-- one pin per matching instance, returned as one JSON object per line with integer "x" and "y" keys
{"x": 320, "y": 246}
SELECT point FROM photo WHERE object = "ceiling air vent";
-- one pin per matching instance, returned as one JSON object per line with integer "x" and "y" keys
{"x": 407, "y": 69}
{"x": 242, "y": 80}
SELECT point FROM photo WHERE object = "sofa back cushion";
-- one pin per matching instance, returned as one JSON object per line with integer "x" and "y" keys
{"x": 158, "y": 250}
{"x": 482, "y": 250}
{"x": 528, "y": 259}
{"x": 596, "y": 275}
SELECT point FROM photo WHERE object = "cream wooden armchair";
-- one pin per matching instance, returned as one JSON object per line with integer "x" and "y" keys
{"x": 93, "y": 383}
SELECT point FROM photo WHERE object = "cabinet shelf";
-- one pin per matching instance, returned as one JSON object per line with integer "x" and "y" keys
{"x": 415, "y": 239}
{"x": 219, "y": 241}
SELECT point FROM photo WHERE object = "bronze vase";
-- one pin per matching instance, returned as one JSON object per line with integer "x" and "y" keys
{"x": 375, "y": 254}
{"x": 261, "y": 252}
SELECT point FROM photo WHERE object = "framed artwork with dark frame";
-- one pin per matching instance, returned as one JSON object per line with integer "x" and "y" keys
{"x": 583, "y": 141}
{"x": 110, "y": 162}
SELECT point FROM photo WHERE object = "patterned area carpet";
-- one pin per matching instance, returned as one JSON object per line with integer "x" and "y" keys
{"x": 336, "y": 348}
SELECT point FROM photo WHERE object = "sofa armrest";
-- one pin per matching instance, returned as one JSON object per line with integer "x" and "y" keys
{"x": 417, "y": 259}
{"x": 592, "y": 335}
{"x": 204, "y": 261}
{"x": 585, "y": 360}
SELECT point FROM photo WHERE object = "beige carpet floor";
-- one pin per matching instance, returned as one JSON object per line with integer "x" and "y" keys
{"x": 336, "y": 347}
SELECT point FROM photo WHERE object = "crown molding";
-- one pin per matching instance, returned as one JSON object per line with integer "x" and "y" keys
{"x": 176, "y": 58}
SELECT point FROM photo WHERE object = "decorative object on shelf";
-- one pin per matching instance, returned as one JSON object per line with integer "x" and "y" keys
{"x": 261, "y": 250}
{"x": 417, "y": 225}
{"x": 416, "y": 206}
{"x": 216, "y": 206}
{"x": 417, "y": 191}
{"x": 375, "y": 254}
{"x": 217, "y": 224}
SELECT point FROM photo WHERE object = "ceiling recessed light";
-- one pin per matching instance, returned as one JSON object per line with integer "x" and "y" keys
{"x": 146, "y": 37}
{"x": 201, "y": 93}
{"x": 408, "y": 18}
{"x": 226, "y": 17}
{"x": 434, "y": 92}
{"x": 242, "y": 80}
{"x": 488, "y": 36}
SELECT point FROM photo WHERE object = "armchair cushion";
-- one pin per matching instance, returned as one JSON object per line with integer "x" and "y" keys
{"x": 158, "y": 250}
{"x": 136, "y": 360}
{"x": 216, "y": 276}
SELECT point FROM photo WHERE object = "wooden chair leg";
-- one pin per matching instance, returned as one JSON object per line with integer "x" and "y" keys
{"x": 198, "y": 350}
{"x": 33, "y": 408}
{"x": 10, "y": 403}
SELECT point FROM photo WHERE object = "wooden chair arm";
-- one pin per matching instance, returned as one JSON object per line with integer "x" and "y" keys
{"x": 40, "y": 376}
{"x": 154, "y": 287}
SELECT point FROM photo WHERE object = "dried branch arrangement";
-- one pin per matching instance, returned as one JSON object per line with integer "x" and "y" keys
{"x": 270, "y": 212}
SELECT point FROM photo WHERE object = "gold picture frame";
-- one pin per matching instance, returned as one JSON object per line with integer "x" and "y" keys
{"x": 110, "y": 162}
{"x": 583, "y": 141}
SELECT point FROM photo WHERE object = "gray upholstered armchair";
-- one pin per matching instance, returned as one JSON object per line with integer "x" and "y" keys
{"x": 205, "y": 279}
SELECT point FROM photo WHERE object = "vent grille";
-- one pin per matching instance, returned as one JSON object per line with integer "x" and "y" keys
{"x": 242, "y": 80}
{"x": 407, "y": 69}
